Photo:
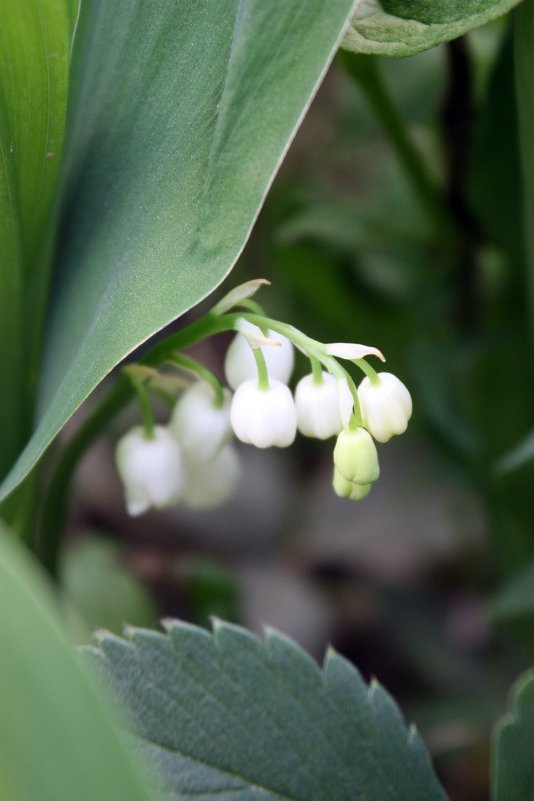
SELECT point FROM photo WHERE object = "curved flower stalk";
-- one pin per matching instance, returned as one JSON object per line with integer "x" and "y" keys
{"x": 262, "y": 411}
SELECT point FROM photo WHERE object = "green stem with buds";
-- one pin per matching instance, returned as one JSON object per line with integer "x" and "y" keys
{"x": 55, "y": 504}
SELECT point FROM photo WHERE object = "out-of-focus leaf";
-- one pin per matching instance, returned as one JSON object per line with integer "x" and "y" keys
{"x": 212, "y": 590}
{"x": 405, "y": 27}
{"x": 228, "y": 715}
{"x": 181, "y": 115}
{"x": 56, "y": 739}
{"x": 494, "y": 176}
{"x": 101, "y": 590}
{"x": 524, "y": 68}
{"x": 516, "y": 599}
{"x": 519, "y": 456}
{"x": 513, "y": 751}
{"x": 35, "y": 38}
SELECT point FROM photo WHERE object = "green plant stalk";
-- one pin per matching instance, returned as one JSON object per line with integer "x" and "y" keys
{"x": 198, "y": 369}
{"x": 55, "y": 503}
{"x": 364, "y": 70}
{"x": 261, "y": 365}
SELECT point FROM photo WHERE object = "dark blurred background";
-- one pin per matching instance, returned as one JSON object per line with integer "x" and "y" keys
{"x": 429, "y": 583}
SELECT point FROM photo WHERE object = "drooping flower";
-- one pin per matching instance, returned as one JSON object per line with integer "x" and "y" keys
{"x": 386, "y": 406}
{"x": 322, "y": 408}
{"x": 355, "y": 457}
{"x": 349, "y": 489}
{"x": 211, "y": 483}
{"x": 264, "y": 417}
{"x": 152, "y": 470}
{"x": 240, "y": 365}
{"x": 198, "y": 424}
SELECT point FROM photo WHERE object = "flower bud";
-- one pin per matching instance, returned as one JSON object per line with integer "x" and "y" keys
{"x": 210, "y": 484}
{"x": 264, "y": 417}
{"x": 322, "y": 409}
{"x": 355, "y": 457}
{"x": 348, "y": 489}
{"x": 240, "y": 364}
{"x": 386, "y": 406}
{"x": 200, "y": 427}
{"x": 151, "y": 470}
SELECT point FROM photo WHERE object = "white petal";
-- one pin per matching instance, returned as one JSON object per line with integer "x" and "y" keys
{"x": 200, "y": 427}
{"x": 240, "y": 365}
{"x": 319, "y": 406}
{"x": 264, "y": 417}
{"x": 211, "y": 484}
{"x": 350, "y": 350}
{"x": 151, "y": 470}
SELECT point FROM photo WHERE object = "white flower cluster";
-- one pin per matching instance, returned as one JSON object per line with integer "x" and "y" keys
{"x": 193, "y": 460}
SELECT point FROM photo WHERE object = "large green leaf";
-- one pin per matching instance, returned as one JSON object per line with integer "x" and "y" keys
{"x": 57, "y": 741}
{"x": 182, "y": 112}
{"x": 231, "y": 716}
{"x": 513, "y": 752}
{"x": 404, "y": 27}
{"x": 35, "y": 39}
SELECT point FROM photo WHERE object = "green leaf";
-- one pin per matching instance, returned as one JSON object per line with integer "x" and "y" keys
{"x": 56, "y": 738}
{"x": 405, "y": 27}
{"x": 522, "y": 454}
{"x": 516, "y": 599}
{"x": 35, "y": 38}
{"x": 228, "y": 715}
{"x": 494, "y": 174}
{"x": 513, "y": 750}
{"x": 101, "y": 589}
{"x": 181, "y": 115}
{"x": 524, "y": 68}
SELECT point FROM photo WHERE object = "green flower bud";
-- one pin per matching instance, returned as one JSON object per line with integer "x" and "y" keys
{"x": 348, "y": 489}
{"x": 355, "y": 457}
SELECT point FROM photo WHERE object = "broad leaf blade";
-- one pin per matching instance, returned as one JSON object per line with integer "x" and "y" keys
{"x": 35, "y": 38}
{"x": 182, "y": 114}
{"x": 56, "y": 739}
{"x": 405, "y": 27}
{"x": 513, "y": 753}
{"x": 227, "y": 714}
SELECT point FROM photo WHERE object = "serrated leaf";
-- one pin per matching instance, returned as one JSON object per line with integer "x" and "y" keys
{"x": 513, "y": 749}
{"x": 57, "y": 741}
{"x": 405, "y": 27}
{"x": 228, "y": 715}
{"x": 35, "y": 38}
{"x": 181, "y": 115}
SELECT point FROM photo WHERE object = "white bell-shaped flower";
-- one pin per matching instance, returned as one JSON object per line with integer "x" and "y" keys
{"x": 240, "y": 364}
{"x": 264, "y": 417}
{"x": 152, "y": 470}
{"x": 210, "y": 484}
{"x": 322, "y": 408}
{"x": 198, "y": 424}
{"x": 386, "y": 406}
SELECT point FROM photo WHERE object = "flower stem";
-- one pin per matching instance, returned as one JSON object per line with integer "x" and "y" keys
{"x": 263, "y": 375}
{"x": 317, "y": 370}
{"x": 198, "y": 369}
{"x": 369, "y": 371}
